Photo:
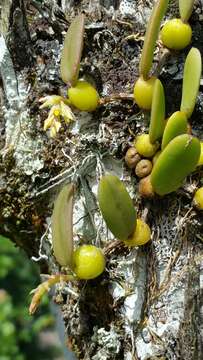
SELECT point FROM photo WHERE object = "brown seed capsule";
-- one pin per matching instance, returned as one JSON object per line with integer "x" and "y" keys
{"x": 143, "y": 168}
{"x": 145, "y": 187}
{"x": 132, "y": 157}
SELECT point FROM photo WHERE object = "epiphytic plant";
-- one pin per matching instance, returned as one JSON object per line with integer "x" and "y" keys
{"x": 155, "y": 157}
{"x": 59, "y": 108}
{"x": 198, "y": 199}
{"x": 200, "y": 162}
{"x": 62, "y": 226}
{"x": 144, "y": 146}
{"x": 185, "y": 9}
{"x": 191, "y": 81}
{"x": 178, "y": 159}
{"x": 143, "y": 88}
{"x": 116, "y": 207}
{"x": 119, "y": 213}
{"x": 176, "y": 34}
{"x": 176, "y": 125}
{"x": 157, "y": 120}
{"x": 72, "y": 51}
{"x": 140, "y": 236}
{"x": 81, "y": 94}
{"x": 143, "y": 168}
{"x": 86, "y": 262}
{"x": 179, "y": 156}
{"x": 143, "y": 91}
{"x": 132, "y": 157}
{"x": 145, "y": 188}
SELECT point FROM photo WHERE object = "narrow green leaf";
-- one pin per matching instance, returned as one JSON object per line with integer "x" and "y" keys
{"x": 176, "y": 161}
{"x": 157, "y": 120}
{"x": 176, "y": 125}
{"x": 151, "y": 36}
{"x": 62, "y": 226}
{"x": 116, "y": 207}
{"x": 191, "y": 81}
{"x": 72, "y": 51}
{"x": 185, "y": 9}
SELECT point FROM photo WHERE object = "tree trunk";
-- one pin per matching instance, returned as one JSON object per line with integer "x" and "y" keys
{"x": 148, "y": 303}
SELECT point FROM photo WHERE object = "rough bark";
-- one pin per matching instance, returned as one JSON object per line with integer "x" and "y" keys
{"x": 148, "y": 303}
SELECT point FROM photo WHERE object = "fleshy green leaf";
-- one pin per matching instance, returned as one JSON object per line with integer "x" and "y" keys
{"x": 185, "y": 9}
{"x": 176, "y": 125}
{"x": 72, "y": 51}
{"x": 151, "y": 36}
{"x": 116, "y": 207}
{"x": 177, "y": 160}
{"x": 62, "y": 226}
{"x": 157, "y": 120}
{"x": 191, "y": 81}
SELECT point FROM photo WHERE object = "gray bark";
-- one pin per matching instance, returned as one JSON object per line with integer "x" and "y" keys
{"x": 148, "y": 303}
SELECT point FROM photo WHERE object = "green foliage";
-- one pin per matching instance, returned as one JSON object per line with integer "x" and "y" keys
{"x": 116, "y": 207}
{"x": 72, "y": 51}
{"x": 62, "y": 226}
{"x": 151, "y": 36}
{"x": 8, "y": 332}
{"x": 18, "y": 331}
{"x": 191, "y": 81}
{"x": 157, "y": 120}
{"x": 176, "y": 125}
{"x": 185, "y": 9}
{"x": 177, "y": 160}
{"x": 200, "y": 162}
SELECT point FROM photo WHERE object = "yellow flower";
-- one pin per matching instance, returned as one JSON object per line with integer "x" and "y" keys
{"x": 58, "y": 109}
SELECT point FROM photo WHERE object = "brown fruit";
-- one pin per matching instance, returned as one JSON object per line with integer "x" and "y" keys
{"x": 132, "y": 157}
{"x": 143, "y": 168}
{"x": 145, "y": 187}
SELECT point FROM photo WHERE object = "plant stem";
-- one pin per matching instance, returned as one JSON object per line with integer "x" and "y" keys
{"x": 114, "y": 97}
{"x": 45, "y": 287}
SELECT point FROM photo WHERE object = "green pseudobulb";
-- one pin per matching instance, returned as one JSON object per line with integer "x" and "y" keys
{"x": 88, "y": 262}
{"x": 83, "y": 96}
